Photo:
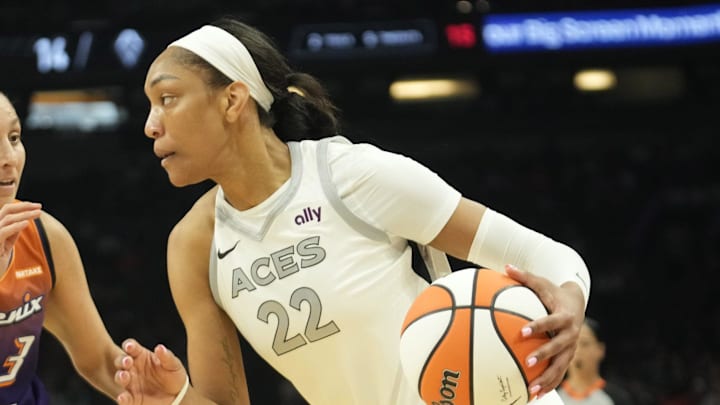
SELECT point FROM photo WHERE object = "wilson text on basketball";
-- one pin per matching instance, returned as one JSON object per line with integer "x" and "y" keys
{"x": 448, "y": 386}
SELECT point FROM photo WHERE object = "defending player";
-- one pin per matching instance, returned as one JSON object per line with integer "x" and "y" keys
{"x": 42, "y": 285}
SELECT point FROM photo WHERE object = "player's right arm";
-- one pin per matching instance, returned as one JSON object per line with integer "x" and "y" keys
{"x": 214, "y": 356}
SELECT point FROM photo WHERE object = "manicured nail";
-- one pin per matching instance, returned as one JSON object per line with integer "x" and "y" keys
{"x": 534, "y": 389}
{"x": 526, "y": 331}
{"x": 531, "y": 361}
{"x": 512, "y": 266}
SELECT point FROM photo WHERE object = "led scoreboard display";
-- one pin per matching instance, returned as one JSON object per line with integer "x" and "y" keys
{"x": 82, "y": 56}
{"x": 363, "y": 40}
{"x": 119, "y": 55}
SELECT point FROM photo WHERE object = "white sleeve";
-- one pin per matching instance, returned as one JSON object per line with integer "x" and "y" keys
{"x": 392, "y": 192}
{"x": 500, "y": 240}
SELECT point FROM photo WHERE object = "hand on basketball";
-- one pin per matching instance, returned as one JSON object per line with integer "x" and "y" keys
{"x": 566, "y": 308}
{"x": 14, "y": 218}
{"x": 148, "y": 377}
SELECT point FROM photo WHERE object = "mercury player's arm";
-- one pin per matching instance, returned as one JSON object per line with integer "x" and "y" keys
{"x": 148, "y": 377}
{"x": 14, "y": 218}
{"x": 554, "y": 271}
{"x": 71, "y": 314}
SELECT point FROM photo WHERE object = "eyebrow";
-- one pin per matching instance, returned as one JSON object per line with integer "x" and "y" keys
{"x": 162, "y": 77}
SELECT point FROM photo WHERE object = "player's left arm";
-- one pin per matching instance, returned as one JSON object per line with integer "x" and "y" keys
{"x": 405, "y": 198}
{"x": 556, "y": 273}
{"x": 71, "y": 315}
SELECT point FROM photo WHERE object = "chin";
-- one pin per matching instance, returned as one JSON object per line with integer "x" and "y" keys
{"x": 179, "y": 181}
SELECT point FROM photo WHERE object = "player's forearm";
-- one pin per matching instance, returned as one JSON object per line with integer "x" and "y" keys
{"x": 100, "y": 373}
{"x": 574, "y": 289}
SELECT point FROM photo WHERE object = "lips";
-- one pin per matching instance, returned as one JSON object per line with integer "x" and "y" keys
{"x": 162, "y": 154}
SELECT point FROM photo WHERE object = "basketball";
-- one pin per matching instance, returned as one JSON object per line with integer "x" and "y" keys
{"x": 461, "y": 343}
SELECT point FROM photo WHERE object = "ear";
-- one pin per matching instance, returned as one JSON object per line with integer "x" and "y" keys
{"x": 601, "y": 350}
{"x": 237, "y": 96}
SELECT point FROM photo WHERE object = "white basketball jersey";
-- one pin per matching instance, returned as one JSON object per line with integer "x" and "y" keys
{"x": 318, "y": 293}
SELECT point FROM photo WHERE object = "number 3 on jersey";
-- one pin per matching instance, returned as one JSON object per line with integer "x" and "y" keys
{"x": 13, "y": 363}
{"x": 313, "y": 331}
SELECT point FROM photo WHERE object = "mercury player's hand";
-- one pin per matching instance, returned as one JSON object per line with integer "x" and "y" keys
{"x": 566, "y": 307}
{"x": 148, "y": 377}
{"x": 14, "y": 218}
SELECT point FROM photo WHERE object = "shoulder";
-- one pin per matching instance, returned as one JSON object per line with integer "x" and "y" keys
{"x": 366, "y": 160}
{"x": 55, "y": 231}
{"x": 343, "y": 150}
{"x": 196, "y": 226}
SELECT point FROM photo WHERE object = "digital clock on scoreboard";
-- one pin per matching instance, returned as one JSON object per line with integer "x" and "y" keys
{"x": 71, "y": 55}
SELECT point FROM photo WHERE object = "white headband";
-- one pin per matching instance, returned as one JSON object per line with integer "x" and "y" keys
{"x": 227, "y": 54}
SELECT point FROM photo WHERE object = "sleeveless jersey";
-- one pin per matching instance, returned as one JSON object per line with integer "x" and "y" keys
{"x": 318, "y": 293}
{"x": 23, "y": 290}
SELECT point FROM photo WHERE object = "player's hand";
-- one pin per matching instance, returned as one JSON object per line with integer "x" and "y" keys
{"x": 566, "y": 307}
{"x": 14, "y": 218}
{"x": 148, "y": 377}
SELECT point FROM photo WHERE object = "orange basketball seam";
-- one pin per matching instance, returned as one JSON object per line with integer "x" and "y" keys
{"x": 439, "y": 341}
{"x": 500, "y": 336}
{"x": 425, "y": 315}
{"x": 472, "y": 333}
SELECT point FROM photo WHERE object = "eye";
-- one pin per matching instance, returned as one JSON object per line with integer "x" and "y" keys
{"x": 14, "y": 138}
{"x": 165, "y": 100}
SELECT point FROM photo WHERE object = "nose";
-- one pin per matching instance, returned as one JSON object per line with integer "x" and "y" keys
{"x": 153, "y": 126}
{"x": 8, "y": 155}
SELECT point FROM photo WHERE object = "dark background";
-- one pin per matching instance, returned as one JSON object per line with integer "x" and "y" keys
{"x": 627, "y": 178}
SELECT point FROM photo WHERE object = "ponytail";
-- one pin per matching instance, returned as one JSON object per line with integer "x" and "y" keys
{"x": 304, "y": 111}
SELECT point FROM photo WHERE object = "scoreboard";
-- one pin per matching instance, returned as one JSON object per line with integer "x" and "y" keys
{"x": 77, "y": 57}
{"x": 118, "y": 55}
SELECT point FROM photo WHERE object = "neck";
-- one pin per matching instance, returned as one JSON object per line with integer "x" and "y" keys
{"x": 262, "y": 166}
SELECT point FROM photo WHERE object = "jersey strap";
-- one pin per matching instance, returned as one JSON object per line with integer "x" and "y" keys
{"x": 435, "y": 260}
{"x": 331, "y": 193}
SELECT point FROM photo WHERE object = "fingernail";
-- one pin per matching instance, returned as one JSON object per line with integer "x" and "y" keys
{"x": 512, "y": 266}
{"x": 128, "y": 346}
{"x": 534, "y": 389}
{"x": 531, "y": 361}
{"x": 526, "y": 331}
{"x": 540, "y": 395}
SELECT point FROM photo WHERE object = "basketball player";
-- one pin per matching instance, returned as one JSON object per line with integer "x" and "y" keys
{"x": 42, "y": 284}
{"x": 303, "y": 244}
{"x": 584, "y": 384}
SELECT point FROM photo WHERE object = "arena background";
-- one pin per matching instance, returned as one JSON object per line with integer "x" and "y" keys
{"x": 627, "y": 176}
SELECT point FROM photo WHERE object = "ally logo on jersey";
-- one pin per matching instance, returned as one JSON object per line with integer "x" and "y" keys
{"x": 308, "y": 215}
{"x": 31, "y": 305}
